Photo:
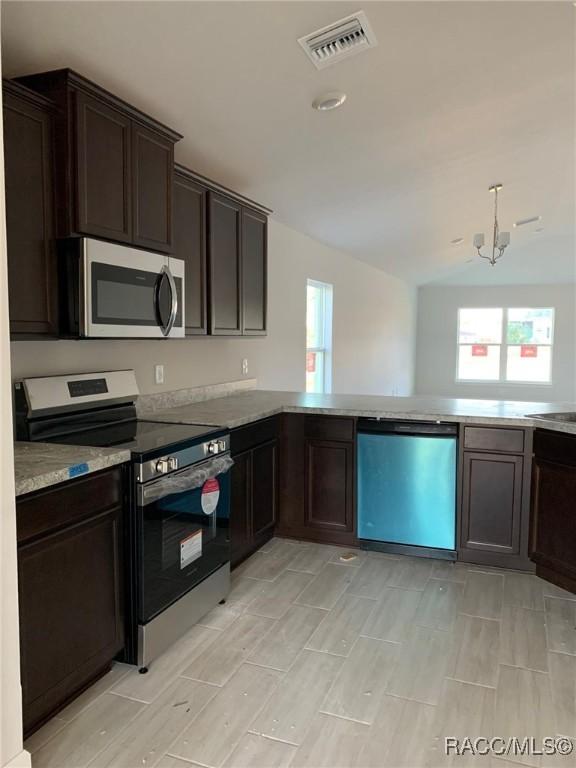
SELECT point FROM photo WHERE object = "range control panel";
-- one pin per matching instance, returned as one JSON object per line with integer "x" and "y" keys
{"x": 172, "y": 462}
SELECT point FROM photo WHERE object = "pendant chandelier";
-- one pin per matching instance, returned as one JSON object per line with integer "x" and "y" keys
{"x": 500, "y": 240}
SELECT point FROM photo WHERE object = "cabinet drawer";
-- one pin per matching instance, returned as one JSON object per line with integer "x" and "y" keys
{"x": 244, "y": 438}
{"x": 65, "y": 505}
{"x": 329, "y": 428}
{"x": 494, "y": 439}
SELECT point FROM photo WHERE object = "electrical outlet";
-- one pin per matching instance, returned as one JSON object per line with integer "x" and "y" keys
{"x": 159, "y": 374}
{"x": 245, "y": 366}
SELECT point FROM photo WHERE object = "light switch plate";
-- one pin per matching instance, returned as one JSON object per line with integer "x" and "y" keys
{"x": 159, "y": 374}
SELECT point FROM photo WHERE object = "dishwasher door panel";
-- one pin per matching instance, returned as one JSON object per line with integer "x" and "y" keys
{"x": 407, "y": 489}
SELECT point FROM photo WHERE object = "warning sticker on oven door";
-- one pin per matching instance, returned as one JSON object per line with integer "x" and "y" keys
{"x": 190, "y": 549}
{"x": 210, "y": 495}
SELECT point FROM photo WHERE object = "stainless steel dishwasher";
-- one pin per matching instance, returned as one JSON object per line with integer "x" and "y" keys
{"x": 406, "y": 487}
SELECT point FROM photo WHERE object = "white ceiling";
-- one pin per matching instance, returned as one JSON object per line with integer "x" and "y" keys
{"x": 455, "y": 97}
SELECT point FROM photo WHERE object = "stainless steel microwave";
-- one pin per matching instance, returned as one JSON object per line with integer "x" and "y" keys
{"x": 113, "y": 291}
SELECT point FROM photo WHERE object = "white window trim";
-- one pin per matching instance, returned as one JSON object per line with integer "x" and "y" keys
{"x": 504, "y": 382}
{"x": 326, "y": 349}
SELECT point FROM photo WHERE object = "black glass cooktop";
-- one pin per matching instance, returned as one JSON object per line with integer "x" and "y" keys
{"x": 140, "y": 437}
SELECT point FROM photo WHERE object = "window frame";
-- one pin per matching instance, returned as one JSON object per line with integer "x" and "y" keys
{"x": 326, "y": 331}
{"x": 502, "y": 380}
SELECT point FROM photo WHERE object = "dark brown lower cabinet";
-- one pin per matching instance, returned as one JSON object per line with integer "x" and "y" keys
{"x": 240, "y": 507}
{"x": 70, "y": 590}
{"x": 254, "y": 487}
{"x": 553, "y": 532}
{"x": 317, "y": 479}
{"x": 329, "y": 486}
{"x": 495, "y": 503}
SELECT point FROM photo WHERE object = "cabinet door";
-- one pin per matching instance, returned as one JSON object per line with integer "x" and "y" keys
{"x": 264, "y": 488}
{"x": 329, "y": 485}
{"x": 240, "y": 507}
{"x": 254, "y": 272}
{"x": 29, "y": 217}
{"x": 190, "y": 246}
{"x": 70, "y": 611}
{"x": 224, "y": 258}
{"x": 553, "y": 535}
{"x": 492, "y": 502}
{"x": 152, "y": 170}
{"x": 103, "y": 175}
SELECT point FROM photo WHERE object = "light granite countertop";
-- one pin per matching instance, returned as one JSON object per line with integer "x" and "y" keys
{"x": 40, "y": 465}
{"x": 243, "y": 408}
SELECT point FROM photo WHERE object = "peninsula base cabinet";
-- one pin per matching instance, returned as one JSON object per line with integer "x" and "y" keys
{"x": 254, "y": 487}
{"x": 70, "y": 590}
{"x": 495, "y": 497}
{"x": 317, "y": 479}
{"x": 553, "y": 534}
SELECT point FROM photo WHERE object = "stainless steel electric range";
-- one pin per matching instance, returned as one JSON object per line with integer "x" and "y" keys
{"x": 176, "y": 535}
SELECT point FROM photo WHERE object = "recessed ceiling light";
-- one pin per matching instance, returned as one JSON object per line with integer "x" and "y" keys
{"x": 531, "y": 220}
{"x": 329, "y": 101}
{"x": 457, "y": 241}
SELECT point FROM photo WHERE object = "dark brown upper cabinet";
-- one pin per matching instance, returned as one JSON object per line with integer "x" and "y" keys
{"x": 254, "y": 272}
{"x": 28, "y": 169}
{"x": 190, "y": 246}
{"x": 224, "y": 238}
{"x": 103, "y": 177}
{"x": 114, "y": 164}
{"x": 238, "y": 258}
{"x": 153, "y": 163}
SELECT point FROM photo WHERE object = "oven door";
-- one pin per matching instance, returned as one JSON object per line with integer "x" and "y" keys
{"x": 183, "y": 533}
{"x": 129, "y": 293}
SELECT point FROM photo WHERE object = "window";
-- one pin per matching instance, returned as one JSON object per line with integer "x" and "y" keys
{"x": 318, "y": 337}
{"x": 513, "y": 345}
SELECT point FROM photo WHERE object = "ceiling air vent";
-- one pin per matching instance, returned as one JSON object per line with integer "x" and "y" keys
{"x": 339, "y": 40}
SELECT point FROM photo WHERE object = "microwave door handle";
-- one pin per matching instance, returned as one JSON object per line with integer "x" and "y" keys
{"x": 166, "y": 326}
{"x": 174, "y": 294}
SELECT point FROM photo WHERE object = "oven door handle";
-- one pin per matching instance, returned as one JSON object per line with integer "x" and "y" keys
{"x": 185, "y": 480}
{"x": 167, "y": 324}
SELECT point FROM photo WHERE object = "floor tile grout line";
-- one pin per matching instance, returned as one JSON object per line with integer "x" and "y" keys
{"x": 347, "y": 719}
{"x": 272, "y": 738}
{"x": 118, "y": 735}
{"x": 560, "y": 653}
{"x": 469, "y": 682}
{"x": 185, "y": 760}
{"x": 80, "y": 712}
{"x": 132, "y": 698}
{"x": 273, "y": 690}
{"x": 192, "y": 720}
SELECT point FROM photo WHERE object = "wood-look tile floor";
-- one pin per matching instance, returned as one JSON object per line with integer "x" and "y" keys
{"x": 314, "y": 662}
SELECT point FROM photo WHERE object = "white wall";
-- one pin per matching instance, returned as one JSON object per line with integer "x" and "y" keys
{"x": 436, "y": 339}
{"x": 373, "y": 338}
{"x": 11, "y": 752}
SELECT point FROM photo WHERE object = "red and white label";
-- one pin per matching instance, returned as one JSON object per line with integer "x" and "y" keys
{"x": 479, "y": 350}
{"x": 528, "y": 350}
{"x": 209, "y": 496}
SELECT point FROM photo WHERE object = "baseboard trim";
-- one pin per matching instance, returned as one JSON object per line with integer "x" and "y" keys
{"x": 22, "y": 760}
